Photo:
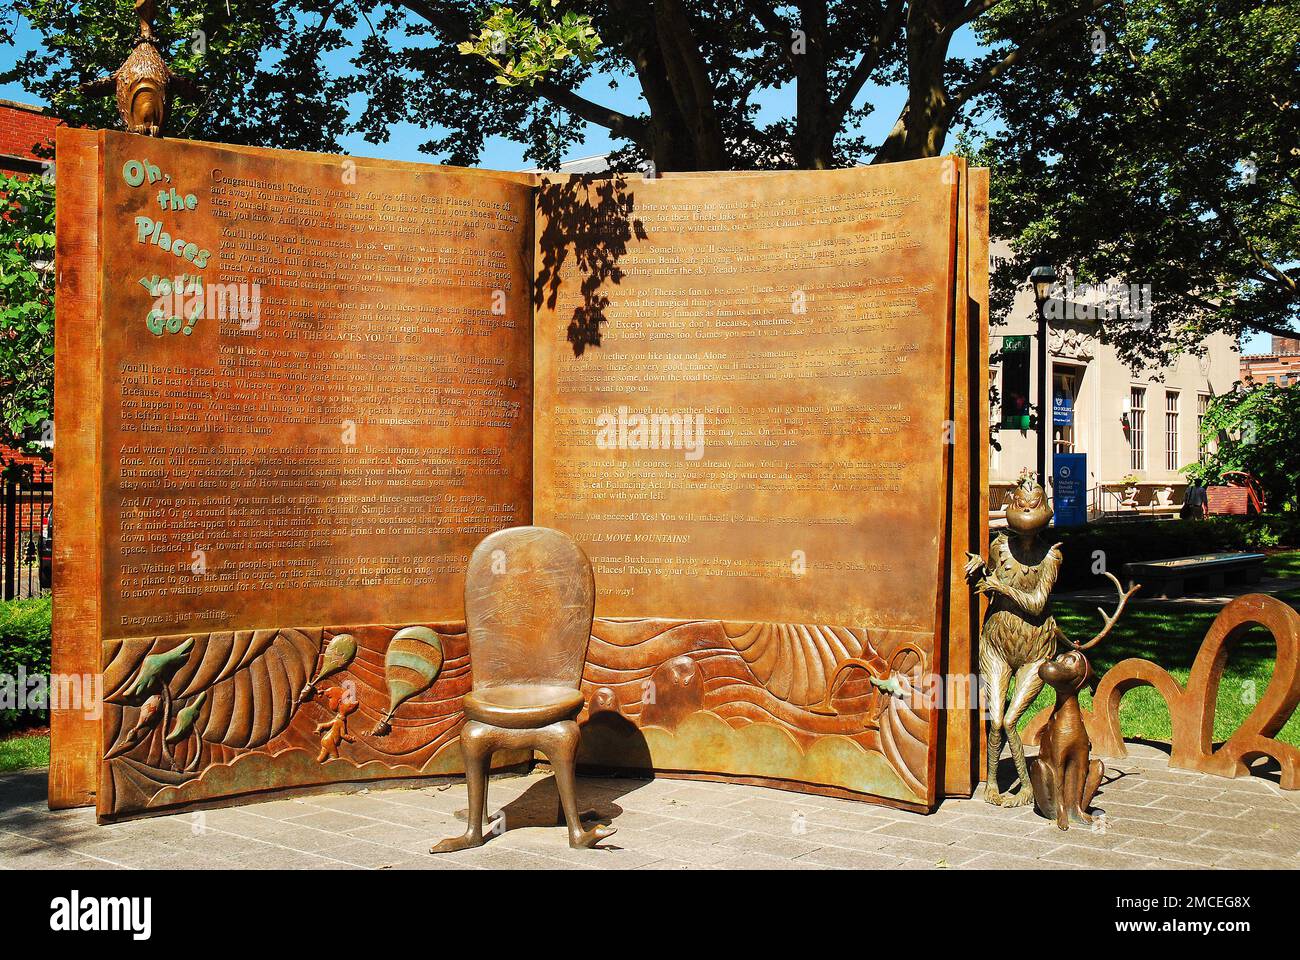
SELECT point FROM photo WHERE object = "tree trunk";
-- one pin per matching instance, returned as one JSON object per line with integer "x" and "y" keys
{"x": 692, "y": 89}
{"x": 814, "y": 137}
{"x": 922, "y": 126}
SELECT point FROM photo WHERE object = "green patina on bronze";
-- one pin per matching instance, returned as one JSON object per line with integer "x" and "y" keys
{"x": 186, "y": 717}
{"x": 411, "y": 665}
{"x": 157, "y": 664}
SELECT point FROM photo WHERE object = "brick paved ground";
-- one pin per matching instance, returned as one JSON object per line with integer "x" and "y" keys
{"x": 1157, "y": 818}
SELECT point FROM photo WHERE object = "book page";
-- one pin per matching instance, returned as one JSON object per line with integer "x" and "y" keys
{"x": 316, "y": 384}
{"x": 743, "y": 391}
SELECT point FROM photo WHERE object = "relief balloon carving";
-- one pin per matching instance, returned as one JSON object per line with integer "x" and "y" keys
{"x": 191, "y": 717}
{"x": 338, "y": 654}
{"x": 411, "y": 665}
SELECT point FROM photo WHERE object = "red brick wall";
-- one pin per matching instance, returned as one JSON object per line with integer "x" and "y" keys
{"x": 1284, "y": 368}
{"x": 10, "y": 455}
{"x": 30, "y": 513}
{"x": 22, "y": 129}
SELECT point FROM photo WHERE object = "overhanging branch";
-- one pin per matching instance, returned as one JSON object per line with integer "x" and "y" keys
{"x": 457, "y": 28}
{"x": 890, "y": 20}
{"x": 1013, "y": 57}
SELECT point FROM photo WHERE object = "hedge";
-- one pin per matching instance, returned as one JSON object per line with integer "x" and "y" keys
{"x": 1129, "y": 541}
{"x": 25, "y": 642}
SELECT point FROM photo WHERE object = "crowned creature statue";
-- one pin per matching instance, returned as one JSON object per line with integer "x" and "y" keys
{"x": 1019, "y": 636}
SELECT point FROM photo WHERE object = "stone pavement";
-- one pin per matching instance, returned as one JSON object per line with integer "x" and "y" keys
{"x": 1156, "y": 818}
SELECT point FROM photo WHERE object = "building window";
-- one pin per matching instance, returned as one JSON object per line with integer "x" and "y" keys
{"x": 1171, "y": 431}
{"x": 1015, "y": 383}
{"x": 1137, "y": 432}
{"x": 1065, "y": 390}
{"x": 1202, "y": 408}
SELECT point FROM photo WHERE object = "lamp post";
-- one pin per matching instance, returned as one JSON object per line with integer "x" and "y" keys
{"x": 1042, "y": 279}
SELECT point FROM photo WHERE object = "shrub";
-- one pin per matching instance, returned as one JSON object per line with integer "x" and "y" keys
{"x": 25, "y": 642}
{"x": 1122, "y": 543}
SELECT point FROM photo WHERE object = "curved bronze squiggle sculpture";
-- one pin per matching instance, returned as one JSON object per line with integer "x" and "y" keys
{"x": 1191, "y": 708}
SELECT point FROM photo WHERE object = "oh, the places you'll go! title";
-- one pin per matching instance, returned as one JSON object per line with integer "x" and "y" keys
{"x": 179, "y": 301}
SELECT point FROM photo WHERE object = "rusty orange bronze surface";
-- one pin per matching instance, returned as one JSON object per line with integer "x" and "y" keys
{"x": 335, "y": 457}
{"x": 74, "y": 733}
{"x": 529, "y": 598}
{"x": 330, "y": 458}
{"x": 802, "y": 322}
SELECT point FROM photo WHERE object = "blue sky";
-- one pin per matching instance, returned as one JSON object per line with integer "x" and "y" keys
{"x": 501, "y": 154}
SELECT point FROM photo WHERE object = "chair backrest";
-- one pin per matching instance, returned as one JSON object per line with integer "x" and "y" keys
{"x": 529, "y": 600}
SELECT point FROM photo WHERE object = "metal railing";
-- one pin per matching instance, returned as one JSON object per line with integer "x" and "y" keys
{"x": 28, "y": 495}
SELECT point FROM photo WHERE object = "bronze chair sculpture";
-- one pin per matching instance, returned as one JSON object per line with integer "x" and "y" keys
{"x": 529, "y": 600}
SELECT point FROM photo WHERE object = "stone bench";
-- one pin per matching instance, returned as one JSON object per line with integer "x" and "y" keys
{"x": 1168, "y": 578}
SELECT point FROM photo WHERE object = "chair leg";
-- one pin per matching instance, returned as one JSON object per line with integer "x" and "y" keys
{"x": 476, "y": 747}
{"x": 559, "y": 742}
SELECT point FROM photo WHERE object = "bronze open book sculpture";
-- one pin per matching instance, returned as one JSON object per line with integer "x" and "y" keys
{"x": 529, "y": 600}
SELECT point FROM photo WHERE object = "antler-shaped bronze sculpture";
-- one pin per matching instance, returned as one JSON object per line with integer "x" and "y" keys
{"x": 144, "y": 82}
{"x": 1064, "y": 777}
{"x": 1108, "y": 619}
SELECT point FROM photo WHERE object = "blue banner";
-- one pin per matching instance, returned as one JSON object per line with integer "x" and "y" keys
{"x": 1070, "y": 489}
{"x": 1062, "y": 410}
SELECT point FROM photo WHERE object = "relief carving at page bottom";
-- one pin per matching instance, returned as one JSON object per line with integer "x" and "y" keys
{"x": 201, "y": 717}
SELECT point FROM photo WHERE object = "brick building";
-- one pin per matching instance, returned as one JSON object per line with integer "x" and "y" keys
{"x": 23, "y": 128}
{"x": 1280, "y": 366}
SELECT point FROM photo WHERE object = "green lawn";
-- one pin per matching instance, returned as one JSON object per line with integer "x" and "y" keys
{"x": 1285, "y": 563}
{"x": 19, "y": 753}
{"x": 1171, "y": 637}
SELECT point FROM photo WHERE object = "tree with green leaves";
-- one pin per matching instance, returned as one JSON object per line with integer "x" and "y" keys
{"x": 1254, "y": 430}
{"x": 283, "y": 74}
{"x": 1143, "y": 141}
{"x": 26, "y": 306}
{"x": 1163, "y": 149}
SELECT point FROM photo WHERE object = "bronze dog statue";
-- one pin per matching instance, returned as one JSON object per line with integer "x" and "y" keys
{"x": 1065, "y": 779}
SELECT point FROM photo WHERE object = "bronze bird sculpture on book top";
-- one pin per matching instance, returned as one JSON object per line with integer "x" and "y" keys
{"x": 1018, "y": 636}
{"x": 143, "y": 83}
